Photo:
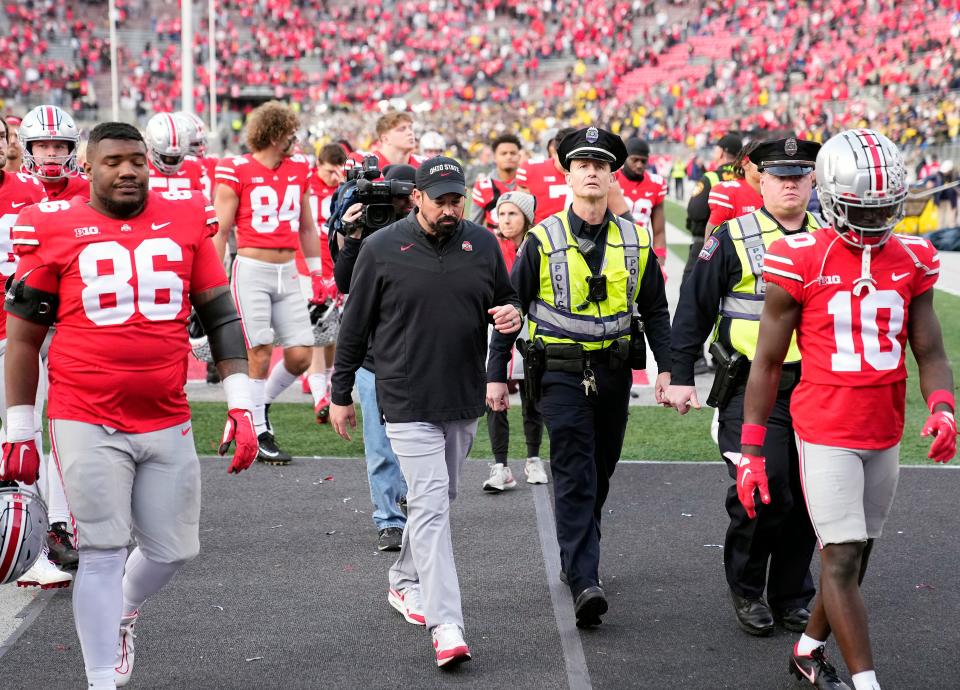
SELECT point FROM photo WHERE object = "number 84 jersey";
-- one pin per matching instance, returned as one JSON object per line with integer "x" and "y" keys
{"x": 119, "y": 353}
{"x": 852, "y": 341}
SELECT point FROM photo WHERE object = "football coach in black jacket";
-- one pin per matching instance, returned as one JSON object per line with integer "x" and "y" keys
{"x": 425, "y": 289}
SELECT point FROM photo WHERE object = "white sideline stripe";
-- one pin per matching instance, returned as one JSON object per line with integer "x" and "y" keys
{"x": 27, "y": 616}
{"x": 578, "y": 675}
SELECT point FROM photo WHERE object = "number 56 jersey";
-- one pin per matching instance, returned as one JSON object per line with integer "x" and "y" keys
{"x": 119, "y": 353}
{"x": 852, "y": 342}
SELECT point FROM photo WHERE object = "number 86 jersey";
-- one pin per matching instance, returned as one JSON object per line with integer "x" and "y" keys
{"x": 852, "y": 341}
{"x": 119, "y": 353}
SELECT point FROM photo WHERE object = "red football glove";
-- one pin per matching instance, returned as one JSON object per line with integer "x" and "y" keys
{"x": 319, "y": 286}
{"x": 239, "y": 428}
{"x": 333, "y": 294}
{"x": 943, "y": 427}
{"x": 751, "y": 476}
{"x": 21, "y": 462}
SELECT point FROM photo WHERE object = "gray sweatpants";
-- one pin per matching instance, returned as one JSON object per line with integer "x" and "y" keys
{"x": 430, "y": 457}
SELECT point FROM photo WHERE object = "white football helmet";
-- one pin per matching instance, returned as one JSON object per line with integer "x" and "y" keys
{"x": 862, "y": 184}
{"x": 432, "y": 144}
{"x": 325, "y": 319}
{"x": 199, "y": 343}
{"x": 49, "y": 123}
{"x": 198, "y": 142}
{"x": 168, "y": 139}
{"x": 23, "y": 531}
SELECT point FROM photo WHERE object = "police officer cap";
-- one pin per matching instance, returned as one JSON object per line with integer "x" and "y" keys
{"x": 786, "y": 157}
{"x": 595, "y": 144}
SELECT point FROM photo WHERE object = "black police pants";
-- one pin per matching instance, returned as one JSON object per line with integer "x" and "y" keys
{"x": 498, "y": 426}
{"x": 586, "y": 437}
{"x": 781, "y": 535}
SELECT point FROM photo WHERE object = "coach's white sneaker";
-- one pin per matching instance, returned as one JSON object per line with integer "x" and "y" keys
{"x": 45, "y": 575}
{"x": 449, "y": 645}
{"x": 407, "y": 602}
{"x": 123, "y": 666}
{"x": 536, "y": 474}
{"x": 501, "y": 478}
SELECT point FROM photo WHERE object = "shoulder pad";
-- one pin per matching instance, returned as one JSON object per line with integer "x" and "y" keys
{"x": 240, "y": 160}
{"x": 299, "y": 158}
{"x": 484, "y": 182}
{"x": 655, "y": 178}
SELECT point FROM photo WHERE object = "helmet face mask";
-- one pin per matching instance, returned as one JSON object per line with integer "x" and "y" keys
{"x": 47, "y": 123}
{"x": 861, "y": 181}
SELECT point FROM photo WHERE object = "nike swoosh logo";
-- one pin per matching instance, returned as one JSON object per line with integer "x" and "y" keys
{"x": 898, "y": 276}
{"x": 746, "y": 473}
{"x": 18, "y": 204}
{"x": 812, "y": 676}
{"x": 184, "y": 432}
{"x": 405, "y": 247}
{"x": 291, "y": 179}
{"x": 159, "y": 226}
{"x": 23, "y": 450}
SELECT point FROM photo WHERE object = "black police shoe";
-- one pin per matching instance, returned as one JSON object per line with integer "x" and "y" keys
{"x": 389, "y": 539}
{"x": 816, "y": 670}
{"x": 589, "y": 606}
{"x": 62, "y": 552}
{"x": 270, "y": 453}
{"x": 753, "y": 615}
{"x": 793, "y": 619}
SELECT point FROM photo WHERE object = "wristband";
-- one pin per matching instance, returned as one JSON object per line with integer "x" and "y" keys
{"x": 314, "y": 264}
{"x": 660, "y": 252}
{"x": 753, "y": 435}
{"x": 941, "y": 396}
{"x": 237, "y": 388}
{"x": 21, "y": 423}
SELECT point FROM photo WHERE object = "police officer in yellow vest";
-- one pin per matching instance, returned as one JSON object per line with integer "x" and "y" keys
{"x": 585, "y": 279}
{"x": 725, "y": 295}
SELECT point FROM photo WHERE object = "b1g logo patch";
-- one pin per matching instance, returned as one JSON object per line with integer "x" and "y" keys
{"x": 709, "y": 249}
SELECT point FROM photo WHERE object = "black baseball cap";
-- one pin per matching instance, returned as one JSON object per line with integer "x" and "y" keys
{"x": 441, "y": 175}
{"x": 731, "y": 143}
{"x": 592, "y": 143}
{"x": 788, "y": 157}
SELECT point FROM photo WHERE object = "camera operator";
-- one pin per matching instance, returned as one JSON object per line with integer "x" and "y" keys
{"x": 387, "y": 485}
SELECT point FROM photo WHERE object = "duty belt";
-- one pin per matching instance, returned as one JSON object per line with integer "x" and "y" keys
{"x": 574, "y": 359}
{"x": 789, "y": 376}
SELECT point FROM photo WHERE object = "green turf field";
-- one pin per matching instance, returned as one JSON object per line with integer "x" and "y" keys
{"x": 652, "y": 433}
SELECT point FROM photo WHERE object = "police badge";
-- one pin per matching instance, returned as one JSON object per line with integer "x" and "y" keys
{"x": 593, "y": 134}
{"x": 790, "y": 147}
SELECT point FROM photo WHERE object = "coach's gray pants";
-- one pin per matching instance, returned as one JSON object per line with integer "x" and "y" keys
{"x": 430, "y": 458}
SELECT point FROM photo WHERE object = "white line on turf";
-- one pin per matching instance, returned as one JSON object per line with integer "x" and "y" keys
{"x": 578, "y": 676}
{"x": 19, "y": 624}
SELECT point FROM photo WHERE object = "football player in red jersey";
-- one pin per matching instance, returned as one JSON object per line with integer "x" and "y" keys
{"x": 737, "y": 197}
{"x": 267, "y": 195}
{"x": 486, "y": 190}
{"x": 17, "y": 191}
{"x": 168, "y": 137}
{"x": 547, "y": 181}
{"x": 856, "y": 295}
{"x": 396, "y": 143}
{"x": 118, "y": 275}
{"x": 324, "y": 181}
{"x": 49, "y": 138}
{"x": 197, "y": 150}
{"x": 14, "y": 158}
{"x": 645, "y": 191}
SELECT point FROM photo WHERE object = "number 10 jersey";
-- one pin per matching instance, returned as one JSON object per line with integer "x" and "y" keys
{"x": 119, "y": 353}
{"x": 853, "y": 382}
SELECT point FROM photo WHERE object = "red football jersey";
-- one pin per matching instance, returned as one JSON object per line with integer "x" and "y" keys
{"x": 119, "y": 353}
{"x": 853, "y": 381}
{"x": 483, "y": 195}
{"x": 17, "y": 191}
{"x": 209, "y": 165}
{"x": 732, "y": 199}
{"x": 268, "y": 215}
{"x": 546, "y": 183}
{"x": 355, "y": 159}
{"x": 190, "y": 176}
{"x": 643, "y": 196}
{"x": 320, "y": 198}
{"x": 78, "y": 185}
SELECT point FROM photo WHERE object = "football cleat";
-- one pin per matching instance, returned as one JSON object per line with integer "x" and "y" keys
{"x": 322, "y": 410}
{"x": 270, "y": 453}
{"x": 407, "y": 602}
{"x": 60, "y": 544}
{"x": 449, "y": 645}
{"x": 123, "y": 665}
{"x": 45, "y": 575}
{"x": 816, "y": 670}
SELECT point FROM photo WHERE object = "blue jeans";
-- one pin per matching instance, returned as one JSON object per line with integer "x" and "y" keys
{"x": 383, "y": 471}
